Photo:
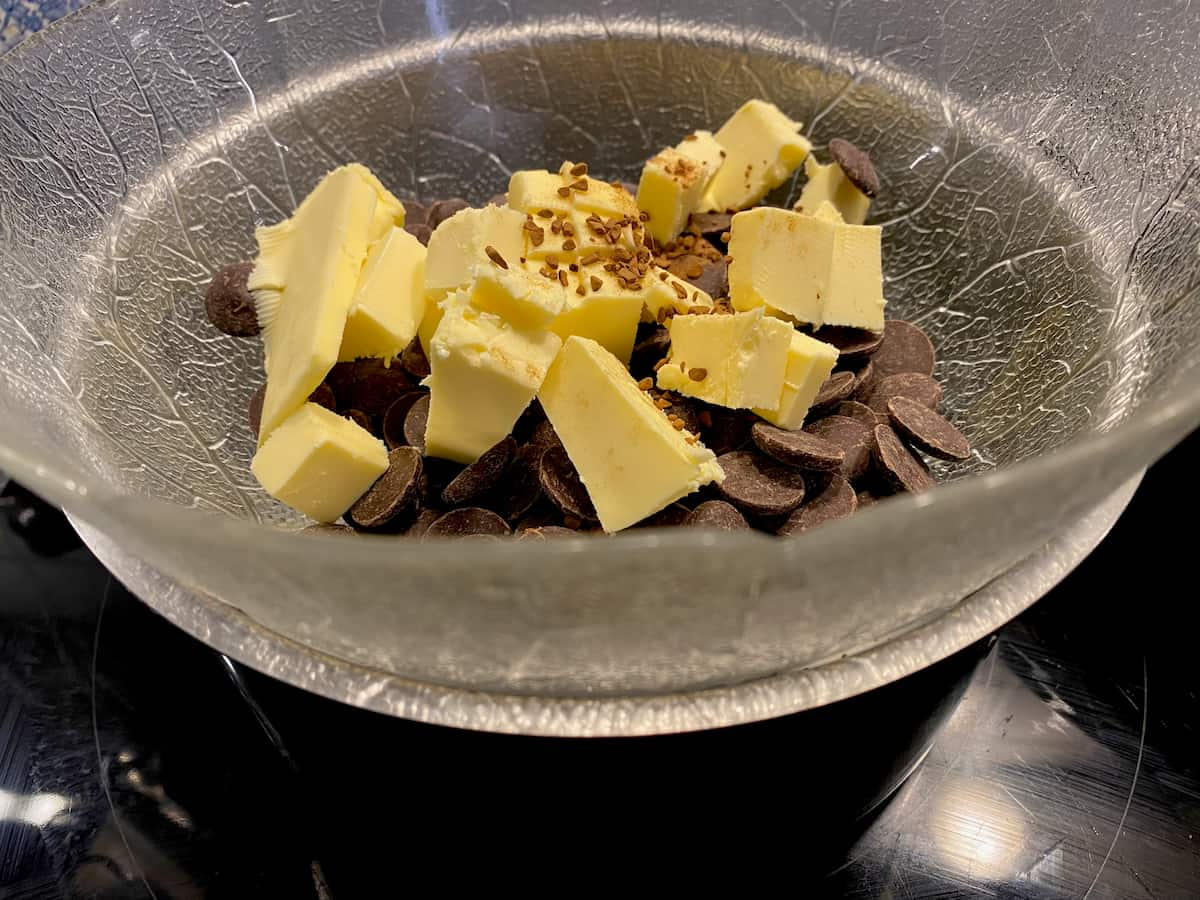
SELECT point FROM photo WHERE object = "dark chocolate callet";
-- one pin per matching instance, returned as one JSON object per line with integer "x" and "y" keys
{"x": 360, "y": 418}
{"x": 375, "y": 386}
{"x": 563, "y": 486}
{"x": 852, "y": 437}
{"x": 851, "y": 343}
{"x": 441, "y": 210}
{"x": 420, "y": 231}
{"x": 668, "y": 517}
{"x": 856, "y": 164}
{"x": 323, "y": 396}
{"x": 926, "y": 430}
{"x": 413, "y": 360}
{"x": 521, "y": 488}
{"x": 717, "y": 514}
{"x": 836, "y": 388}
{"x": 545, "y": 533}
{"x": 801, "y": 449}
{"x": 254, "y": 408}
{"x": 915, "y": 386}
{"x": 394, "y": 418}
{"x": 394, "y": 495}
{"x": 229, "y": 303}
{"x": 711, "y": 225}
{"x": 859, "y": 412}
{"x": 481, "y": 476}
{"x": 758, "y": 484}
{"x": 415, "y": 421}
{"x": 905, "y": 348}
{"x": 835, "y": 500}
{"x": 896, "y": 463}
{"x": 469, "y": 521}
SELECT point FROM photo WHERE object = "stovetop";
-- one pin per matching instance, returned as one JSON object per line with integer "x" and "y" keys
{"x": 1057, "y": 759}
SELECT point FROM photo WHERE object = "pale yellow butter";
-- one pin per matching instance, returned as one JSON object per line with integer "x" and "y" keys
{"x": 519, "y": 296}
{"x": 483, "y": 373}
{"x": 704, "y": 149}
{"x": 304, "y": 281}
{"x": 600, "y": 197}
{"x": 665, "y": 291}
{"x": 670, "y": 190}
{"x": 608, "y": 315}
{"x": 535, "y": 192}
{"x": 629, "y": 457}
{"x": 457, "y": 246}
{"x": 319, "y": 463}
{"x": 735, "y": 360}
{"x": 762, "y": 149}
{"x": 828, "y": 183}
{"x": 809, "y": 363}
{"x": 815, "y": 270}
{"x": 389, "y": 303}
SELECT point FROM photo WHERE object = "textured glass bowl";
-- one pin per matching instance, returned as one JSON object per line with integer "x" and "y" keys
{"x": 1041, "y": 206}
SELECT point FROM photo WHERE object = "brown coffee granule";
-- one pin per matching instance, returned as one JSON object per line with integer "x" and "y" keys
{"x": 494, "y": 255}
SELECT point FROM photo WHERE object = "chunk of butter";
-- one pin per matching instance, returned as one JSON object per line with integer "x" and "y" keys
{"x": 607, "y": 314}
{"x": 630, "y": 458}
{"x": 666, "y": 291}
{"x": 735, "y": 360}
{"x": 816, "y": 271}
{"x": 457, "y": 250}
{"x": 671, "y": 188}
{"x": 523, "y": 298}
{"x": 304, "y": 280}
{"x": 704, "y": 149}
{"x": 389, "y": 303}
{"x": 809, "y": 363}
{"x": 566, "y": 222}
{"x": 828, "y": 183}
{"x": 457, "y": 246}
{"x": 318, "y": 462}
{"x": 483, "y": 373}
{"x": 762, "y": 149}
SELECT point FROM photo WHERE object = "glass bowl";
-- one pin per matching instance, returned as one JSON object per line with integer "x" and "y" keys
{"x": 1041, "y": 221}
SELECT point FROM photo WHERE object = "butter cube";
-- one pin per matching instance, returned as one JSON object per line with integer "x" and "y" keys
{"x": 809, "y": 363}
{"x": 390, "y": 300}
{"x": 816, "y": 271}
{"x": 456, "y": 247}
{"x": 629, "y": 457}
{"x": 483, "y": 373}
{"x": 735, "y": 360}
{"x": 532, "y": 190}
{"x": 762, "y": 149}
{"x": 827, "y": 183}
{"x": 704, "y": 149}
{"x": 521, "y": 297}
{"x": 670, "y": 190}
{"x": 666, "y": 291}
{"x": 389, "y": 212}
{"x": 600, "y": 197}
{"x": 319, "y": 463}
{"x": 608, "y": 315}
{"x": 304, "y": 280}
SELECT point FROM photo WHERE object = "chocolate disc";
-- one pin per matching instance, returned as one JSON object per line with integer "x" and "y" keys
{"x": 835, "y": 501}
{"x": 801, "y": 449}
{"x": 394, "y": 494}
{"x": 717, "y": 514}
{"x": 927, "y": 431}
{"x": 759, "y": 485}
{"x": 229, "y": 303}
{"x": 897, "y": 464}
{"x": 480, "y": 476}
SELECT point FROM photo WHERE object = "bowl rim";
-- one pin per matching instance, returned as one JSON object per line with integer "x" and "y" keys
{"x": 233, "y": 633}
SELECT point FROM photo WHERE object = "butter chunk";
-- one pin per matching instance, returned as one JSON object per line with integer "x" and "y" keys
{"x": 521, "y": 297}
{"x": 456, "y": 247}
{"x": 566, "y": 222}
{"x": 737, "y": 360}
{"x": 600, "y": 197}
{"x": 671, "y": 188}
{"x": 666, "y": 291}
{"x": 608, "y": 314}
{"x": 304, "y": 281}
{"x": 630, "y": 458}
{"x": 828, "y": 183}
{"x": 483, "y": 373}
{"x": 762, "y": 149}
{"x": 319, "y": 463}
{"x": 816, "y": 271}
{"x": 704, "y": 149}
{"x": 389, "y": 303}
{"x": 809, "y": 363}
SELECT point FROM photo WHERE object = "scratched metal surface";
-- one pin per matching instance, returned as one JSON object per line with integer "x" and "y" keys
{"x": 136, "y": 763}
